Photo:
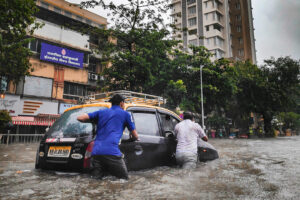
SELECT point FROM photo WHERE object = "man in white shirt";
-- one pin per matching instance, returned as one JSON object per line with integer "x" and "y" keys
{"x": 187, "y": 133}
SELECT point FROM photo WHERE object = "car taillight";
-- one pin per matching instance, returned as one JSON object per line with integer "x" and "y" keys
{"x": 88, "y": 154}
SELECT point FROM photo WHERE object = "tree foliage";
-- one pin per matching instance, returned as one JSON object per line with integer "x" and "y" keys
{"x": 16, "y": 19}
{"x": 144, "y": 58}
{"x": 4, "y": 120}
{"x": 268, "y": 90}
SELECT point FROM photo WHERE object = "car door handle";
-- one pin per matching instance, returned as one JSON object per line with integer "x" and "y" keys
{"x": 138, "y": 148}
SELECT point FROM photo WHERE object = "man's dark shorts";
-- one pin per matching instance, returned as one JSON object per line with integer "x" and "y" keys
{"x": 114, "y": 165}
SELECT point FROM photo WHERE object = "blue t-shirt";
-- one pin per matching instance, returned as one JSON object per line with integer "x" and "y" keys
{"x": 110, "y": 127}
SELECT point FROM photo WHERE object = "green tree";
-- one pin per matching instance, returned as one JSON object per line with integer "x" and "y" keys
{"x": 4, "y": 120}
{"x": 16, "y": 23}
{"x": 218, "y": 84}
{"x": 140, "y": 57}
{"x": 290, "y": 120}
{"x": 268, "y": 90}
{"x": 175, "y": 92}
{"x": 248, "y": 80}
{"x": 281, "y": 88}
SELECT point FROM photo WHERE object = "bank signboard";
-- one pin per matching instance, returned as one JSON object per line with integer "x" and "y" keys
{"x": 61, "y": 55}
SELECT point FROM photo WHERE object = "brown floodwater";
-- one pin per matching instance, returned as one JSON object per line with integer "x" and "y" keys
{"x": 246, "y": 169}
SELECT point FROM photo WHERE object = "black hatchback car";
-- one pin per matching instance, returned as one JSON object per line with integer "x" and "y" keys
{"x": 68, "y": 143}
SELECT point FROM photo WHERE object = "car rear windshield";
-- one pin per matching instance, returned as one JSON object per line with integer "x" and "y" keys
{"x": 68, "y": 125}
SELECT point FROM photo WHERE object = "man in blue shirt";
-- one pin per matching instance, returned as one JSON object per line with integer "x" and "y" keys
{"x": 106, "y": 155}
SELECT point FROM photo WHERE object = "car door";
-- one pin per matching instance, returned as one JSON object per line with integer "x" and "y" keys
{"x": 168, "y": 123}
{"x": 146, "y": 152}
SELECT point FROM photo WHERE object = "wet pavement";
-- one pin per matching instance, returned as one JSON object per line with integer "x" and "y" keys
{"x": 247, "y": 169}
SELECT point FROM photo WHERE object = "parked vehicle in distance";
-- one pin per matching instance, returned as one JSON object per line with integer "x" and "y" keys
{"x": 68, "y": 143}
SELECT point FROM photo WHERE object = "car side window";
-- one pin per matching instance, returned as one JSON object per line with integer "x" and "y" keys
{"x": 168, "y": 122}
{"x": 146, "y": 123}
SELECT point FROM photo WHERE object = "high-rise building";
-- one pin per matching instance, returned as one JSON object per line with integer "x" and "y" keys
{"x": 224, "y": 27}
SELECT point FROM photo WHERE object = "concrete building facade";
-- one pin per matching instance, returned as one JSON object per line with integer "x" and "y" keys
{"x": 65, "y": 67}
{"x": 224, "y": 27}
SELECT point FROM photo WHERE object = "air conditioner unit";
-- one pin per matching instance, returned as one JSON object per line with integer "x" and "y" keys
{"x": 94, "y": 77}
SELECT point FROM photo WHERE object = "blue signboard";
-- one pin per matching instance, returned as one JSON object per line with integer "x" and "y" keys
{"x": 61, "y": 55}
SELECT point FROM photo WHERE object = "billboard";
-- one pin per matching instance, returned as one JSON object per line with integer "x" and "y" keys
{"x": 61, "y": 55}
{"x": 38, "y": 86}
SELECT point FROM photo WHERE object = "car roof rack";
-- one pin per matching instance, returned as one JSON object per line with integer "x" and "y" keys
{"x": 130, "y": 97}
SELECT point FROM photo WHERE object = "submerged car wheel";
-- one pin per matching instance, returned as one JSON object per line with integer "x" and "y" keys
{"x": 39, "y": 164}
{"x": 37, "y": 160}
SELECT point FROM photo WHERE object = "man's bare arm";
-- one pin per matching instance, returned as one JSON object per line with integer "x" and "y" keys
{"x": 205, "y": 138}
{"x": 83, "y": 118}
{"x": 135, "y": 134}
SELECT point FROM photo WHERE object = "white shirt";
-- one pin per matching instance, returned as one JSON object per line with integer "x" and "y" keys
{"x": 187, "y": 133}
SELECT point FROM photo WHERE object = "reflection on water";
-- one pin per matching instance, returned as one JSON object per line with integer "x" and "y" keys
{"x": 247, "y": 169}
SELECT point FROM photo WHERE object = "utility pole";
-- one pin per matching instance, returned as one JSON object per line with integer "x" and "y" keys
{"x": 202, "y": 108}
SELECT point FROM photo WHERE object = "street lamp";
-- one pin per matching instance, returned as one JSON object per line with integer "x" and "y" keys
{"x": 202, "y": 108}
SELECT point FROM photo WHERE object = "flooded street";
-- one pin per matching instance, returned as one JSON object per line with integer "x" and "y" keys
{"x": 247, "y": 169}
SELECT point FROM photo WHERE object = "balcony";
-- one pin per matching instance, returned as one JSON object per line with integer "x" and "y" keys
{"x": 213, "y": 33}
{"x": 176, "y": 12}
{"x": 175, "y": 1}
{"x": 53, "y": 32}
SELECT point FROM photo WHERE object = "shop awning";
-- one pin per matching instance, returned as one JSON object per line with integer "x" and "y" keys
{"x": 34, "y": 121}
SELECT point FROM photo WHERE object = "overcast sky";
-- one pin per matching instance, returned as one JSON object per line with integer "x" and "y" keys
{"x": 277, "y": 27}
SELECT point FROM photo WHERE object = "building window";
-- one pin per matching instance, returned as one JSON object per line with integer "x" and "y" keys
{"x": 206, "y": 16}
{"x": 241, "y": 52}
{"x": 193, "y": 32}
{"x": 93, "y": 65}
{"x": 68, "y": 14}
{"x": 217, "y": 16}
{"x": 206, "y": 4}
{"x": 73, "y": 90}
{"x": 207, "y": 28}
{"x": 35, "y": 45}
{"x": 241, "y": 41}
{"x": 193, "y": 21}
{"x": 207, "y": 41}
{"x": 44, "y": 5}
{"x": 86, "y": 58}
{"x": 192, "y": 10}
{"x": 190, "y": 2}
{"x": 56, "y": 9}
{"x": 238, "y": 6}
{"x": 239, "y": 29}
{"x": 238, "y": 17}
{"x": 218, "y": 54}
{"x": 217, "y": 27}
{"x": 193, "y": 42}
{"x": 218, "y": 41}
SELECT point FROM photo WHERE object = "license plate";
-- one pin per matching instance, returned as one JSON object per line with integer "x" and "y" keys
{"x": 59, "y": 151}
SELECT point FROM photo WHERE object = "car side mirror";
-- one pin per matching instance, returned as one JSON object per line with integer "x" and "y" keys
{"x": 169, "y": 134}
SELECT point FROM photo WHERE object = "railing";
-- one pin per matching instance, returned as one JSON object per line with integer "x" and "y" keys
{"x": 20, "y": 138}
{"x": 130, "y": 97}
